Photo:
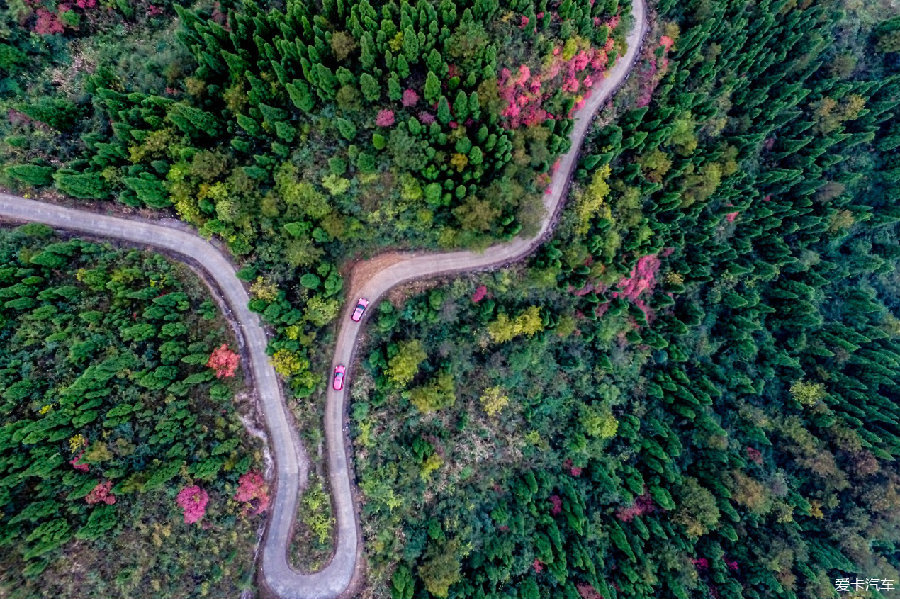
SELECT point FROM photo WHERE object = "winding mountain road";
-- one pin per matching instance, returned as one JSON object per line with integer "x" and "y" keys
{"x": 291, "y": 460}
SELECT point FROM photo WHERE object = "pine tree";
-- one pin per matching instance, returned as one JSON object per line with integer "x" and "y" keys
{"x": 370, "y": 88}
{"x": 461, "y": 106}
{"x": 432, "y": 89}
{"x": 443, "y": 111}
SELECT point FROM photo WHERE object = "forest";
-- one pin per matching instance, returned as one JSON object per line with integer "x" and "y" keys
{"x": 124, "y": 468}
{"x": 691, "y": 390}
{"x": 307, "y": 136}
{"x": 688, "y": 392}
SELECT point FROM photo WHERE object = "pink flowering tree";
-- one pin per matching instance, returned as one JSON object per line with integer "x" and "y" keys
{"x": 193, "y": 501}
{"x": 57, "y": 17}
{"x": 385, "y": 118}
{"x": 568, "y": 70}
{"x": 410, "y": 98}
{"x": 253, "y": 491}
{"x": 642, "y": 505}
{"x": 223, "y": 361}
{"x": 573, "y": 470}
{"x": 639, "y": 284}
{"x": 641, "y": 280}
{"x": 555, "y": 504}
{"x": 77, "y": 465}
{"x": 101, "y": 494}
{"x": 586, "y": 591}
{"x": 652, "y": 70}
{"x": 47, "y": 23}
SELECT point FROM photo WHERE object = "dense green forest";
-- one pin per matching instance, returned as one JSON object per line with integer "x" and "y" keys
{"x": 124, "y": 468}
{"x": 691, "y": 391}
{"x": 306, "y": 135}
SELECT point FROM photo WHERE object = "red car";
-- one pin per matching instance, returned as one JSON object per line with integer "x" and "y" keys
{"x": 338, "y": 383}
{"x": 361, "y": 306}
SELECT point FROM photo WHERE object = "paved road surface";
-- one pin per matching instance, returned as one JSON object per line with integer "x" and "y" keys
{"x": 291, "y": 461}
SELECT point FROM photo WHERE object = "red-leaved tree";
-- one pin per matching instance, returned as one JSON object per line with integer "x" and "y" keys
{"x": 410, "y": 98}
{"x": 193, "y": 501}
{"x": 77, "y": 465}
{"x": 101, "y": 494}
{"x": 47, "y": 23}
{"x": 640, "y": 282}
{"x": 587, "y": 591}
{"x": 556, "y": 504}
{"x": 253, "y": 490}
{"x": 642, "y": 505}
{"x": 385, "y": 118}
{"x": 223, "y": 361}
{"x": 651, "y": 72}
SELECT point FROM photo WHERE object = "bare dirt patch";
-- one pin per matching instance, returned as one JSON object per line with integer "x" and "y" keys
{"x": 362, "y": 271}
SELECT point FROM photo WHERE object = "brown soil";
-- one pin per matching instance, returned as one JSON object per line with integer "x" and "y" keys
{"x": 364, "y": 270}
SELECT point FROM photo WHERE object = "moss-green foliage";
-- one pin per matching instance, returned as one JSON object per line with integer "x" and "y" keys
{"x": 722, "y": 422}
{"x": 404, "y": 363}
{"x": 317, "y": 513}
{"x": 103, "y": 366}
{"x": 505, "y": 328}
{"x": 313, "y": 542}
{"x": 435, "y": 395}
